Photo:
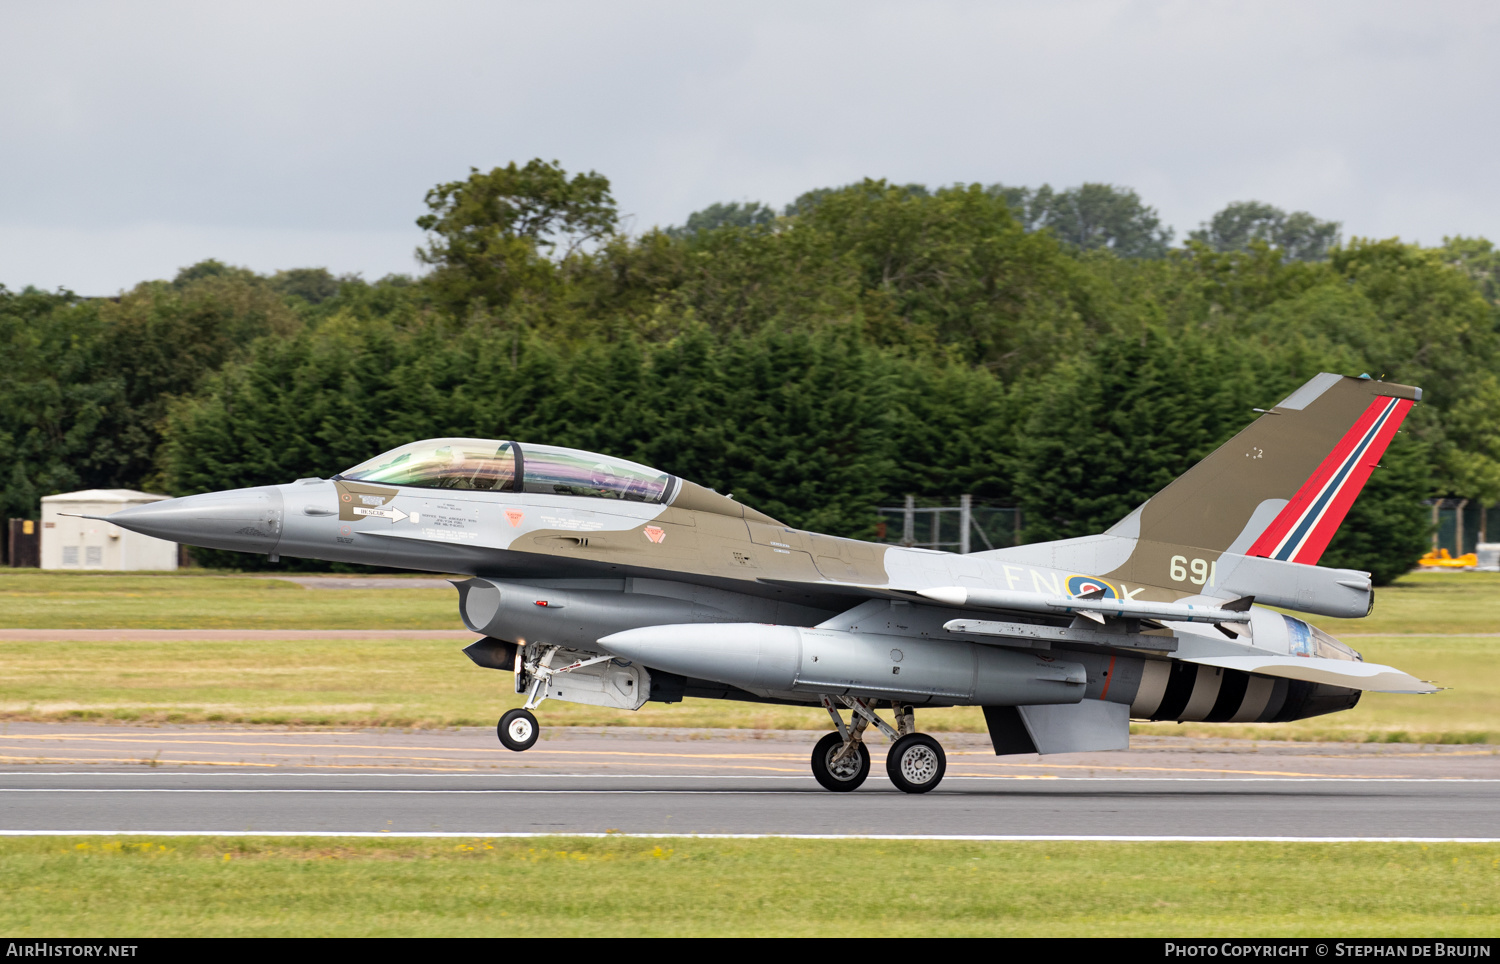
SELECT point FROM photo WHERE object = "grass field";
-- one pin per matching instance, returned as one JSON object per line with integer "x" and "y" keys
{"x": 610, "y": 887}
{"x": 1429, "y": 602}
{"x": 413, "y": 682}
{"x": 31, "y": 599}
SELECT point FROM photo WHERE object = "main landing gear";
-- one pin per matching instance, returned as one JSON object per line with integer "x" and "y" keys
{"x": 841, "y": 761}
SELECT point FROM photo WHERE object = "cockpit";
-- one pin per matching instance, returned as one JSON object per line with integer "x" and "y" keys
{"x": 494, "y": 466}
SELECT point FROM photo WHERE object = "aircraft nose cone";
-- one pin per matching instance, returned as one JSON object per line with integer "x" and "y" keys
{"x": 245, "y": 520}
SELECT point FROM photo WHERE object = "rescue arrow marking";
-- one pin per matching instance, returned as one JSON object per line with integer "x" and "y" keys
{"x": 395, "y": 514}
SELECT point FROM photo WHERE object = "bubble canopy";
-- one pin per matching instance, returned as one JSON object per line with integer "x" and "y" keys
{"x": 493, "y": 466}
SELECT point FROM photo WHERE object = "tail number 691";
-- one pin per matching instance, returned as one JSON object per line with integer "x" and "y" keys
{"x": 1195, "y": 571}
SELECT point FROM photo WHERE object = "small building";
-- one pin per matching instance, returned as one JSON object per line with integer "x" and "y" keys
{"x": 72, "y": 543}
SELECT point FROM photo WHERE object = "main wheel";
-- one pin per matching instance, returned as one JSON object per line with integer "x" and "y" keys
{"x": 916, "y": 763}
{"x": 848, "y": 773}
{"x": 518, "y": 730}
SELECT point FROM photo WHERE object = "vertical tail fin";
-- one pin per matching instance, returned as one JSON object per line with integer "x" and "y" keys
{"x": 1281, "y": 487}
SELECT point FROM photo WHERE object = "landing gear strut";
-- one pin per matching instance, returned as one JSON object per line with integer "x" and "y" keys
{"x": 841, "y": 761}
{"x": 518, "y": 729}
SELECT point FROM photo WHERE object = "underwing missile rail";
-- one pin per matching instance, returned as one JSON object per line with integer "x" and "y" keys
{"x": 1082, "y": 606}
{"x": 1041, "y": 636}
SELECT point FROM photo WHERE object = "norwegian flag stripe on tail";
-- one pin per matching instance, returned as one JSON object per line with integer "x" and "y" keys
{"x": 1306, "y": 525}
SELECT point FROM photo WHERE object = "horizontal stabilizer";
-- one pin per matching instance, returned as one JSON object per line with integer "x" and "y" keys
{"x": 1353, "y": 674}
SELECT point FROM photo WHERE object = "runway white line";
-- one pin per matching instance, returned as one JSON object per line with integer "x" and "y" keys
{"x": 176, "y": 790}
{"x": 705, "y": 776}
{"x": 998, "y": 838}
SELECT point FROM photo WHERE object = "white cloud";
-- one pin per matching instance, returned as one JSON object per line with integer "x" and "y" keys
{"x": 111, "y": 259}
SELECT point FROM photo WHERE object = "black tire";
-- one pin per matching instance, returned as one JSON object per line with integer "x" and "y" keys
{"x": 518, "y": 730}
{"x": 916, "y": 763}
{"x": 849, "y": 774}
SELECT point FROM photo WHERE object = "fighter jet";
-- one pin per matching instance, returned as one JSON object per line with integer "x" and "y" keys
{"x": 597, "y": 580}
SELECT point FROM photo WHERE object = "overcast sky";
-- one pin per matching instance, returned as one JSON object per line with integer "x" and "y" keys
{"x": 139, "y": 137}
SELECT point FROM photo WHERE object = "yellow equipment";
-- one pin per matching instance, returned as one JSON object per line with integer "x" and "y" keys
{"x": 1440, "y": 559}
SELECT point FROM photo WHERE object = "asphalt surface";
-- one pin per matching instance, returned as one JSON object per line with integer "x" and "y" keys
{"x": 87, "y": 778}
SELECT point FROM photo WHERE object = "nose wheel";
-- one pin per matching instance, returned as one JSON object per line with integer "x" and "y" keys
{"x": 518, "y": 730}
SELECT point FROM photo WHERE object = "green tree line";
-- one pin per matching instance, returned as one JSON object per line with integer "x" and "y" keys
{"x": 1032, "y": 347}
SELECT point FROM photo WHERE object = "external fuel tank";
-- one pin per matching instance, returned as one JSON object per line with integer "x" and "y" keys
{"x": 764, "y": 658}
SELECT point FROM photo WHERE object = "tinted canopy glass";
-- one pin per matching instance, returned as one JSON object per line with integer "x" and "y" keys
{"x": 485, "y": 464}
{"x": 444, "y": 463}
{"x": 551, "y": 470}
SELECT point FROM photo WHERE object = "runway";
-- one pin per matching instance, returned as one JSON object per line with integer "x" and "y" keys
{"x": 68, "y": 777}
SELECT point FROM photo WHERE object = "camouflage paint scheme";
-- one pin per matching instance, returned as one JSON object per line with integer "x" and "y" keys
{"x": 801, "y": 617}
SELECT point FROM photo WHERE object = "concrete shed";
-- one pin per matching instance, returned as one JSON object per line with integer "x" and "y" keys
{"x": 72, "y": 543}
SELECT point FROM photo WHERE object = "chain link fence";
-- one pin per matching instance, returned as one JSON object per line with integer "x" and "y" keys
{"x": 937, "y": 524}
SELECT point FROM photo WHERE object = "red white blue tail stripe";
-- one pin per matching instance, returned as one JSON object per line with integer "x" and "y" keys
{"x": 1305, "y": 526}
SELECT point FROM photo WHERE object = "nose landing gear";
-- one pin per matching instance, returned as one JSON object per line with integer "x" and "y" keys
{"x": 518, "y": 730}
{"x": 841, "y": 761}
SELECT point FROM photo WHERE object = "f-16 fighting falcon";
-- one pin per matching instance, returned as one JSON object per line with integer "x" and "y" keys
{"x": 596, "y": 580}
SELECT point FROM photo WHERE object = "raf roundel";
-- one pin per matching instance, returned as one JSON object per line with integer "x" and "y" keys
{"x": 1083, "y": 585}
